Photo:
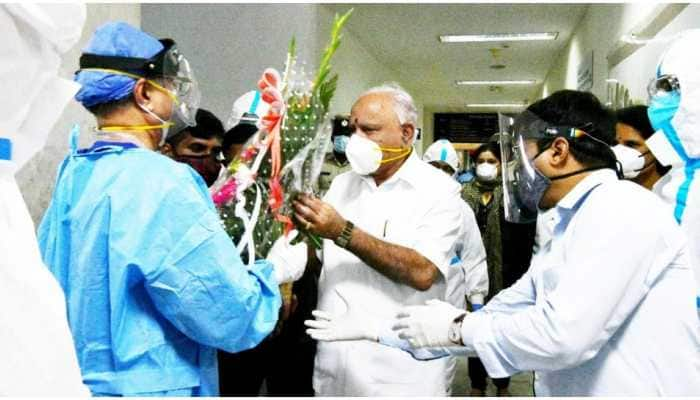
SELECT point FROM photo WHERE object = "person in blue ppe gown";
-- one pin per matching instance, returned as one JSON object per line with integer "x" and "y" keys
{"x": 153, "y": 283}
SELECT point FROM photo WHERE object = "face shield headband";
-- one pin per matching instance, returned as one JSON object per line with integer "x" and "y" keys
{"x": 523, "y": 184}
{"x": 168, "y": 64}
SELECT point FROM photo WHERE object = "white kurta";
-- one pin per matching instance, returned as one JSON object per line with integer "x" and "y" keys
{"x": 419, "y": 208}
{"x": 607, "y": 307}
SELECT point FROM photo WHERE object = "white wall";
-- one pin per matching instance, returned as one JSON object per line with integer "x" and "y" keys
{"x": 635, "y": 71}
{"x": 357, "y": 68}
{"x": 37, "y": 178}
{"x": 230, "y": 45}
{"x": 599, "y": 31}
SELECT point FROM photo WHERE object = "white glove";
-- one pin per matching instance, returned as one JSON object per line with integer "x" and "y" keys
{"x": 428, "y": 325}
{"x": 329, "y": 328}
{"x": 288, "y": 261}
{"x": 348, "y": 326}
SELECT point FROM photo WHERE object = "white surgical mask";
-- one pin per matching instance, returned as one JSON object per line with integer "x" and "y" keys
{"x": 365, "y": 156}
{"x": 632, "y": 160}
{"x": 164, "y": 125}
{"x": 486, "y": 172}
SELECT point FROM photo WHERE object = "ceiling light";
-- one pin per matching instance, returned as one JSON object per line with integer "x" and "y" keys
{"x": 495, "y": 105}
{"x": 499, "y": 37}
{"x": 513, "y": 82}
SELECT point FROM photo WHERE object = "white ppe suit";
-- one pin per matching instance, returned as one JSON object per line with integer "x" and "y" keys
{"x": 38, "y": 356}
{"x": 677, "y": 140}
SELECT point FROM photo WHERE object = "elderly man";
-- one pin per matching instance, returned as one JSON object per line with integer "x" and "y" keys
{"x": 391, "y": 225}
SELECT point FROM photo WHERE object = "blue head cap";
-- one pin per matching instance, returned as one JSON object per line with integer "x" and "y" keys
{"x": 113, "y": 39}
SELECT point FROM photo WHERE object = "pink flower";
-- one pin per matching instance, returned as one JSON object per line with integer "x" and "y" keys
{"x": 225, "y": 194}
{"x": 271, "y": 95}
{"x": 270, "y": 78}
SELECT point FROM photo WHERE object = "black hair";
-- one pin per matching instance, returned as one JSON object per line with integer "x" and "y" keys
{"x": 584, "y": 111}
{"x": 493, "y": 147}
{"x": 637, "y": 118}
{"x": 207, "y": 126}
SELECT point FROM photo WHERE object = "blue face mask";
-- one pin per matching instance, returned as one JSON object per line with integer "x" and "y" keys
{"x": 662, "y": 109}
{"x": 532, "y": 187}
{"x": 339, "y": 143}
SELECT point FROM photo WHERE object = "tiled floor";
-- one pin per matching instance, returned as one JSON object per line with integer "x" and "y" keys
{"x": 520, "y": 384}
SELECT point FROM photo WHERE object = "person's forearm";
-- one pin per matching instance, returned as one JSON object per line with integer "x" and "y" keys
{"x": 396, "y": 262}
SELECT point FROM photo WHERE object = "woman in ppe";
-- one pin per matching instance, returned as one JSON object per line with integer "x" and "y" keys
{"x": 153, "y": 283}
{"x": 674, "y": 112}
{"x": 38, "y": 356}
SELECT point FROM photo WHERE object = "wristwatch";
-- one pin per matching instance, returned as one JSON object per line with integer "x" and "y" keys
{"x": 455, "y": 332}
{"x": 344, "y": 238}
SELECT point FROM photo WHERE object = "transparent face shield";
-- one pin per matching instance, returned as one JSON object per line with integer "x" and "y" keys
{"x": 517, "y": 171}
{"x": 168, "y": 66}
{"x": 523, "y": 184}
{"x": 180, "y": 76}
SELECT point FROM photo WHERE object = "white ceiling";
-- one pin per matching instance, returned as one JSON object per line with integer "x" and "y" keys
{"x": 405, "y": 38}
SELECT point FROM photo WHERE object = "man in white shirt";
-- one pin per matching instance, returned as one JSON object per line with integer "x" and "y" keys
{"x": 607, "y": 306}
{"x": 390, "y": 226}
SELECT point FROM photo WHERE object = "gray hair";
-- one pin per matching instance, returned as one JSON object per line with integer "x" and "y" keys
{"x": 404, "y": 107}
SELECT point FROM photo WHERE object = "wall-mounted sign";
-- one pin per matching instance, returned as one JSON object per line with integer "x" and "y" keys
{"x": 465, "y": 127}
{"x": 584, "y": 73}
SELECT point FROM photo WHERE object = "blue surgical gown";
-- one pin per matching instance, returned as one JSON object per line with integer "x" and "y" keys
{"x": 153, "y": 284}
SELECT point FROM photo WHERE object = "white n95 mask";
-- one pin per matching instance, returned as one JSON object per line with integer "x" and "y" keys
{"x": 632, "y": 160}
{"x": 486, "y": 172}
{"x": 365, "y": 156}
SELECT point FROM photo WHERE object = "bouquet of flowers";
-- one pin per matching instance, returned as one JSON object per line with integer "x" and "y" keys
{"x": 283, "y": 158}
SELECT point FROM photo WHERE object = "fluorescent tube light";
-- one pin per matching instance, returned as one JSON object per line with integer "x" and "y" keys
{"x": 513, "y": 82}
{"x": 495, "y": 105}
{"x": 499, "y": 37}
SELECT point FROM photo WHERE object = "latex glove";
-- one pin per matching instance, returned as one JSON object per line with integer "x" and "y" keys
{"x": 347, "y": 326}
{"x": 288, "y": 261}
{"x": 428, "y": 325}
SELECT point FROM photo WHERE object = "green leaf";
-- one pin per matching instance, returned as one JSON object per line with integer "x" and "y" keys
{"x": 325, "y": 65}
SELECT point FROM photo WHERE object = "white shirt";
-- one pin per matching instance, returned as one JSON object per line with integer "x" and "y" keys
{"x": 419, "y": 207}
{"x": 607, "y": 307}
